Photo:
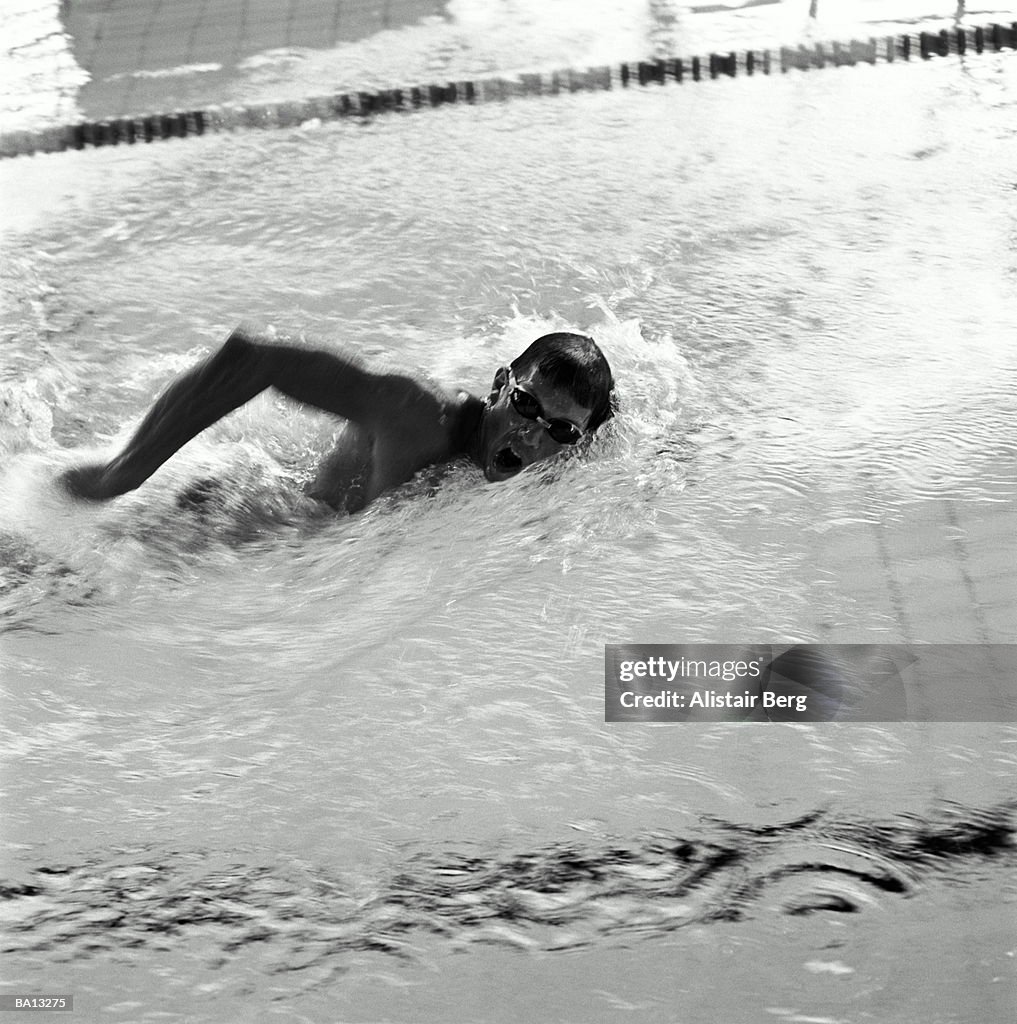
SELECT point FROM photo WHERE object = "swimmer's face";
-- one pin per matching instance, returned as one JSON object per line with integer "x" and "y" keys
{"x": 514, "y": 435}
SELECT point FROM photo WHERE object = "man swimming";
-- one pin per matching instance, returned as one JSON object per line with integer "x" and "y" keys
{"x": 551, "y": 397}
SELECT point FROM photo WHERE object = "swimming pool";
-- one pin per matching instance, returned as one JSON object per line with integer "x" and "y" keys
{"x": 278, "y": 765}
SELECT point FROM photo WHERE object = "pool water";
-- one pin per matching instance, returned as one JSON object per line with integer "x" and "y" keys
{"x": 264, "y": 763}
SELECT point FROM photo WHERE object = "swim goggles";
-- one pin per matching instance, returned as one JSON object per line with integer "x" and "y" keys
{"x": 529, "y": 408}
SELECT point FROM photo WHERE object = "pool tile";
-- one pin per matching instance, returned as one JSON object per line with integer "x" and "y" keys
{"x": 117, "y": 37}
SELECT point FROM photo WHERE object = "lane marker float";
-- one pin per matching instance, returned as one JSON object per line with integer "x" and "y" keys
{"x": 179, "y": 124}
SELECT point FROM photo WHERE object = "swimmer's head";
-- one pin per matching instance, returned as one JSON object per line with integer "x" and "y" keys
{"x": 552, "y": 397}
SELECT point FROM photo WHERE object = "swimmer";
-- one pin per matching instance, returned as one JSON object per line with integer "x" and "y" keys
{"x": 551, "y": 398}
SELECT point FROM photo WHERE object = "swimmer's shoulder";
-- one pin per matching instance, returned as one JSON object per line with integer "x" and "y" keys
{"x": 458, "y": 408}
{"x": 464, "y": 411}
{"x": 454, "y": 405}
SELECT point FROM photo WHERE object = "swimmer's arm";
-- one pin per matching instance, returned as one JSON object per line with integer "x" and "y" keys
{"x": 244, "y": 367}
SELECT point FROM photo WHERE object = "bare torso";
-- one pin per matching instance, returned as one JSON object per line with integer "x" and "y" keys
{"x": 342, "y": 479}
{"x": 358, "y": 468}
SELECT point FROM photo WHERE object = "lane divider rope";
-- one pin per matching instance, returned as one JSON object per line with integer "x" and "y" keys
{"x": 178, "y": 124}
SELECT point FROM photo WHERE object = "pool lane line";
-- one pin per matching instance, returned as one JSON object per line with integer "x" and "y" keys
{"x": 178, "y": 124}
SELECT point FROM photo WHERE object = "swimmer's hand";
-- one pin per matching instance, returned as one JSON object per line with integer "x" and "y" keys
{"x": 90, "y": 482}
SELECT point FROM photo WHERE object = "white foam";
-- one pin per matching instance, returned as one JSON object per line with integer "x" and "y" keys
{"x": 480, "y": 37}
{"x": 39, "y": 78}
{"x": 180, "y": 71}
{"x": 509, "y": 37}
{"x": 26, "y": 421}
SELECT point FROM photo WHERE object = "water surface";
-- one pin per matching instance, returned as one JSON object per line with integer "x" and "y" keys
{"x": 263, "y": 763}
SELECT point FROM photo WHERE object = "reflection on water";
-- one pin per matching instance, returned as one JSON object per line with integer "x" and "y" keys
{"x": 558, "y": 898}
{"x": 802, "y": 286}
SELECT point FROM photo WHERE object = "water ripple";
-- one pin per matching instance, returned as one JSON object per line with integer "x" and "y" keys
{"x": 555, "y": 897}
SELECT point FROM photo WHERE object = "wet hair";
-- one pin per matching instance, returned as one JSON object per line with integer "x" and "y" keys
{"x": 574, "y": 363}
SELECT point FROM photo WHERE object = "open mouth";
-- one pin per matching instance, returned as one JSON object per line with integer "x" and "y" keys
{"x": 506, "y": 461}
